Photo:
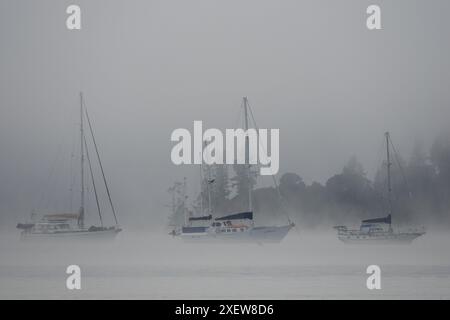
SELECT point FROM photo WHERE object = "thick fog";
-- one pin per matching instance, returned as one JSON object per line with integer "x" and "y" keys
{"x": 309, "y": 68}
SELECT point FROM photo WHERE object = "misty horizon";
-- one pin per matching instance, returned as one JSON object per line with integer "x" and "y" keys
{"x": 150, "y": 67}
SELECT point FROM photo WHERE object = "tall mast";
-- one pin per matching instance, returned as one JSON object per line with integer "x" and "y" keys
{"x": 247, "y": 155}
{"x": 81, "y": 214}
{"x": 208, "y": 182}
{"x": 174, "y": 207}
{"x": 185, "y": 211}
{"x": 201, "y": 186}
{"x": 388, "y": 173}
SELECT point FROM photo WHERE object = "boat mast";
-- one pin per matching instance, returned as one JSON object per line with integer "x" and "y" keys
{"x": 208, "y": 182}
{"x": 388, "y": 175}
{"x": 185, "y": 210}
{"x": 247, "y": 155}
{"x": 201, "y": 186}
{"x": 172, "y": 220}
{"x": 81, "y": 214}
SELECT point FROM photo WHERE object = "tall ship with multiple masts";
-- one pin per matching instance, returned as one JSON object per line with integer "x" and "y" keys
{"x": 72, "y": 225}
{"x": 236, "y": 226}
{"x": 379, "y": 230}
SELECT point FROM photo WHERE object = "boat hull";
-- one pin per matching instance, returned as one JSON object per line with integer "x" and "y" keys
{"x": 108, "y": 234}
{"x": 274, "y": 234}
{"x": 393, "y": 238}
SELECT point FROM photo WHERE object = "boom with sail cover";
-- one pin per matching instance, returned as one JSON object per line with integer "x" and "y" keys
{"x": 386, "y": 220}
{"x": 237, "y": 216}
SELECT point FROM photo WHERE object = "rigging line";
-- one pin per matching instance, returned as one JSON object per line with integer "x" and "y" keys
{"x": 273, "y": 176}
{"x": 101, "y": 166}
{"x": 239, "y": 124}
{"x": 72, "y": 175}
{"x": 401, "y": 168}
{"x": 49, "y": 179}
{"x": 239, "y": 116}
{"x": 379, "y": 194}
{"x": 93, "y": 181}
{"x": 380, "y": 156}
{"x": 71, "y": 182}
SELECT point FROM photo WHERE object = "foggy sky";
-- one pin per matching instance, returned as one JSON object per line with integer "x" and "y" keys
{"x": 309, "y": 68}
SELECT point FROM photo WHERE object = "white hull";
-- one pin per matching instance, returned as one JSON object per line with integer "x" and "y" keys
{"x": 109, "y": 234}
{"x": 255, "y": 235}
{"x": 388, "y": 238}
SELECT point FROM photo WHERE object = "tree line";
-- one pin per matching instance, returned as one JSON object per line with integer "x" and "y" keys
{"x": 420, "y": 192}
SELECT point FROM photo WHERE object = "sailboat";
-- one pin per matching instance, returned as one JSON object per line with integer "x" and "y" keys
{"x": 379, "y": 230}
{"x": 237, "y": 227}
{"x": 72, "y": 225}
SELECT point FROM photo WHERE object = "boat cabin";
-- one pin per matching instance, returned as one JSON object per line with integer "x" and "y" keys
{"x": 376, "y": 225}
{"x": 53, "y": 223}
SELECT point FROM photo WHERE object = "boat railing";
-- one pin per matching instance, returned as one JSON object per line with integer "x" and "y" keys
{"x": 412, "y": 230}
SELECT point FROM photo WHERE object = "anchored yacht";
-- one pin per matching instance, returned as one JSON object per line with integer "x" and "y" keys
{"x": 379, "y": 230}
{"x": 72, "y": 225}
{"x": 235, "y": 227}
{"x": 238, "y": 227}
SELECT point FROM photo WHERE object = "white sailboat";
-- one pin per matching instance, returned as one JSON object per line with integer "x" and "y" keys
{"x": 235, "y": 227}
{"x": 379, "y": 230}
{"x": 72, "y": 225}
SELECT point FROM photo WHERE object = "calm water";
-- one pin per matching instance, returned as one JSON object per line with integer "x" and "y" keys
{"x": 155, "y": 266}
